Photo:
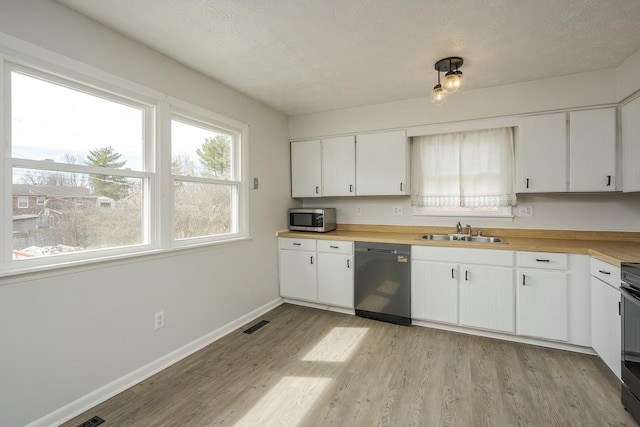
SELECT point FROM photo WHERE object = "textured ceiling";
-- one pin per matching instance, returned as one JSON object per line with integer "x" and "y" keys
{"x": 302, "y": 56}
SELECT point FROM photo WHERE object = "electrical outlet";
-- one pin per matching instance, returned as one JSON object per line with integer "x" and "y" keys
{"x": 525, "y": 210}
{"x": 358, "y": 210}
{"x": 397, "y": 210}
{"x": 158, "y": 320}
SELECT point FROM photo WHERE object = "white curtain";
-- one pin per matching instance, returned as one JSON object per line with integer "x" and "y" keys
{"x": 463, "y": 169}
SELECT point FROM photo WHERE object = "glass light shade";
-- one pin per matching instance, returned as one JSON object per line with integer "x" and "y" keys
{"x": 452, "y": 81}
{"x": 439, "y": 95}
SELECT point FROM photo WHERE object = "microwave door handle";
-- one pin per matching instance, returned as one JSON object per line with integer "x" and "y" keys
{"x": 629, "y": 296}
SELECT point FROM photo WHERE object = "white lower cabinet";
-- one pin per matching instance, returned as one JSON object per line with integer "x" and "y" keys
{"x": 297, "y": 262}
{"x": 605, "y": 313}
{"x": 461, "y": 286}
{"x": 487, "y": 297}
{"x": 335, "y": 273}
{"x": 542, "y": 304}
{"x": 316, "y": 271}
{"x": 434, "y": 291}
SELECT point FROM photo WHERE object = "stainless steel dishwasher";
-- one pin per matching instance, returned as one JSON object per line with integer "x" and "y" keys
{"x": 382, "y": 289}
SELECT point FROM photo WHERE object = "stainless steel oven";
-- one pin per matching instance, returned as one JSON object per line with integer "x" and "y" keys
{"x": 630, "y": 310}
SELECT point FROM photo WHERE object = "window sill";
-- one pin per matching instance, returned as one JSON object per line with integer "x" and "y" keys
{"x": 23, "y": 274}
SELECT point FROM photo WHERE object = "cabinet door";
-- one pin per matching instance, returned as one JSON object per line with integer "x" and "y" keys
{"x": 382, "y": 164}
{"x": 298, "y": 274}
{"x": 434, "y": 291}
{"x": 339, "y": 166}
{"x": 306, "y": 172}
{"x": 335, "y": 279}
{"x": 605, "y": 324}
{"x": 631, "y": 146}
{"x": 592, "y": 150}
{"x": 487, "y": 298}
{"x": 542, "y": 304}
{"x": 541, "y": 162}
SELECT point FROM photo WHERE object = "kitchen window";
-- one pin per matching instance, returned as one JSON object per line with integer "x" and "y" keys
{"x": 106, "y": 176}
{"x": 463, "y": 173}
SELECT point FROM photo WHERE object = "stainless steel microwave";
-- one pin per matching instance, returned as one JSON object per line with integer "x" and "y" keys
{"x": 320, "y": 220}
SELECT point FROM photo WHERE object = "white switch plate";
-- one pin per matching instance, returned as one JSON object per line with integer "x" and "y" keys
{"x": 158, "y": 320}
{"x": 525, "y": 210}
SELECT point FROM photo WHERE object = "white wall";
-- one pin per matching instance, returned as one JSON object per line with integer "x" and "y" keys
{"x": 67, "y": 334}
{"x": 619, "y": 212}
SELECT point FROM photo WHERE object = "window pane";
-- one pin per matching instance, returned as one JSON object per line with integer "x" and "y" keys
{"x": 50, "y": 121}
{"x": 200, "y": 152}
{"x": 203, "y": 209}
{"x": 73, "y": 218}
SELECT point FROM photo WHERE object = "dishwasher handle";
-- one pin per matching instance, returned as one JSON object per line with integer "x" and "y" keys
{"x": 383, "y": 251}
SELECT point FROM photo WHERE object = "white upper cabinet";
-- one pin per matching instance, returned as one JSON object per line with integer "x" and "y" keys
{"x": 631, "y": 146}
{"x": 592, "y": 148}
{"x": 382, "y": 164}
{"x": 306, "y": 169}
{"x": 339, "y": 166}
{"x": 541, "y": 154}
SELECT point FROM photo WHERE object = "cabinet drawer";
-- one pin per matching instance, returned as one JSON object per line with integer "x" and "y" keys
{"x": 335, "y": 246}
{"x": 297, "y": 244}
{"x": 546, "y": 260}
{"x": 606, "y": 272}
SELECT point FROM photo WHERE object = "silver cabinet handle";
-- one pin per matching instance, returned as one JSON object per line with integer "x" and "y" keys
{"x": 311, "y": 259}
{"x": 524, "y": 278}
{"x": 527, "y": 182}
{"x": 401, "y": 186}
{"x": 317, "y": 190}
{"x": 466, "y": 275}
{"x": 452, "y": 276}
{"x": 297, "y": 244}
{"x": 608, "y": 180}
{"x": 334, "y": 247}
{"x": 604, "y": 272}
{"x": 542, "y": 260}
{"x": 348, "y": 263}
{"x": 350, "y": 188}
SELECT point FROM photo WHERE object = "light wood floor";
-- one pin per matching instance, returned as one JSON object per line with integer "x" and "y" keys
{"x": 311, "y": 367}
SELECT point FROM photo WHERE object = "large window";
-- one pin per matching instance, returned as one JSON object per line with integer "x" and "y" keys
{"x": 88, "y": 178}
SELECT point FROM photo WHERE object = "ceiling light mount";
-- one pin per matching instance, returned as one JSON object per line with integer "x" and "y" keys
{"x": 453, "y": 78}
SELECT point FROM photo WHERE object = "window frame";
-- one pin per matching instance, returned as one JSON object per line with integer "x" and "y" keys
{"x": 156, "y": 205}
{"x": 239, "y": 135}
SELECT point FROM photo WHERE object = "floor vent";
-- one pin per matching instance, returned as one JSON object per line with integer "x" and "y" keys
{"x": 92, "y": 422}
{"x": 255, "y": 327}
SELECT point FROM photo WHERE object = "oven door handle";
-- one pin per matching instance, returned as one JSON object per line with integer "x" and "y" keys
{"x": 628, "y": 295}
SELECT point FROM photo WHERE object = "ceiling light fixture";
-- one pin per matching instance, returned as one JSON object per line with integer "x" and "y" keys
{"x": 453, "y": 79}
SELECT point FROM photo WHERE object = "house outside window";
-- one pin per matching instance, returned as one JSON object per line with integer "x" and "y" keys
{"x": 23, "y": 202}
{"x": 40, "y": 201}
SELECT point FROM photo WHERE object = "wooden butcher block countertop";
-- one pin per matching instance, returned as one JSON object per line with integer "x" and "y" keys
{"x": 610, "y": 246}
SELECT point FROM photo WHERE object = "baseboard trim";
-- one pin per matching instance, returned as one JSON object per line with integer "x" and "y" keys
{"x": 119, "y": 385}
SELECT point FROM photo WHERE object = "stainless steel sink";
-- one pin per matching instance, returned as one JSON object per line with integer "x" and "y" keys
{"x": 482, "y": 239}
{"x": 439, "y": 237}
{"x": 461, "y": 238}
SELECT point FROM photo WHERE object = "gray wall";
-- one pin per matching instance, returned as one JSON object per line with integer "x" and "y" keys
{"x": 72, "y": 332}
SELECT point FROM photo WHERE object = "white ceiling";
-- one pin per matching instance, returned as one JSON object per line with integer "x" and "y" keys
{"x": 302, "y": 56}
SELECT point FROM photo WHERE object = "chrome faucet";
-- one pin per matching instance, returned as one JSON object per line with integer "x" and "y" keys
{"x": 468, "y": 229}
{"x": 459, "y": 228}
